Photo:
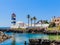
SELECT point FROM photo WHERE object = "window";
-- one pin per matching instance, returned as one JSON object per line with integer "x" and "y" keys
{"x": 58, "y": 20}
{"x": 55, "y": 20}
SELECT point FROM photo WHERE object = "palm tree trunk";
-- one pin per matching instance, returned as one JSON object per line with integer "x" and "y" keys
{"x": 28, "y": 16}
{"x": 34, "y": 20}
{"x": 34, "y": 23}
{"x": 31, "y": 23}
{"x": 28, "y": 22}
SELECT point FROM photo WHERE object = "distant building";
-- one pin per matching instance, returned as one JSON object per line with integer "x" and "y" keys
{"x": 43, "y": 23}
{"x": 56, "y": 20}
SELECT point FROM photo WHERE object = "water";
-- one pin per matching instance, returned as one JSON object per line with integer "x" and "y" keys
{"x": 4, "y": 27}
{"x": 21, "y": 37}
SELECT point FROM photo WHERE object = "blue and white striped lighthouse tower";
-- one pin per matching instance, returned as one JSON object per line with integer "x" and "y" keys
{"x": 13, "y": 18}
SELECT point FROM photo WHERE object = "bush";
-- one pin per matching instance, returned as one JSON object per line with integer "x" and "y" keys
{"x": 52, "y": 24}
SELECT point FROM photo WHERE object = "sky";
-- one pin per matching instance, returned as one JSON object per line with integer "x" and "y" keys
{"x": 42, "y": 9}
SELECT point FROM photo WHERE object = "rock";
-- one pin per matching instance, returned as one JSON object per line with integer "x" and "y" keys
{"x": 3, "y": 37}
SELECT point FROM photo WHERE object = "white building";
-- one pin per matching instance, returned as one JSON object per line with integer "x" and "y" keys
{"x": 21, "y": 24}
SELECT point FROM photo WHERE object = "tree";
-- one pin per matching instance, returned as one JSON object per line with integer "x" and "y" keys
{"x": 52, "y": 24}
{"x": 34, "y": 18}
{"x": 46, "y": 22}
{"x": 31, "y": 21}
{"x": 28, "y": 16}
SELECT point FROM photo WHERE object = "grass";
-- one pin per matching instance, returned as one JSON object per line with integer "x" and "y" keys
{"x": 54, "y": 37}
{"x": 53, "y": 28}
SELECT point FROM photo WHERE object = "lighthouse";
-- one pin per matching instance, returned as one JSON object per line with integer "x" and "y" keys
{"x": 13, "y": 18}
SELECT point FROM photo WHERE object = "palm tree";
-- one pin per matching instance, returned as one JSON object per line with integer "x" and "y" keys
{"x": 31, "y": 21}
{"x": 34, "y": 18}
{"x": 28, "y": 16}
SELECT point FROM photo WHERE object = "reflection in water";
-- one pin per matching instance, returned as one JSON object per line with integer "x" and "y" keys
{"x": 13, "y": 39}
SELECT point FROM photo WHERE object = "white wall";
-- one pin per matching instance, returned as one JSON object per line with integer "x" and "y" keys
{"x": 20, "y": 25}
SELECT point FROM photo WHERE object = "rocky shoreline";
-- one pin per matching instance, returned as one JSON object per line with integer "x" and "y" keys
{"x": 53, "y": 32}
{"x": 3, "y": 36}
{"x": 43, "y": 42}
